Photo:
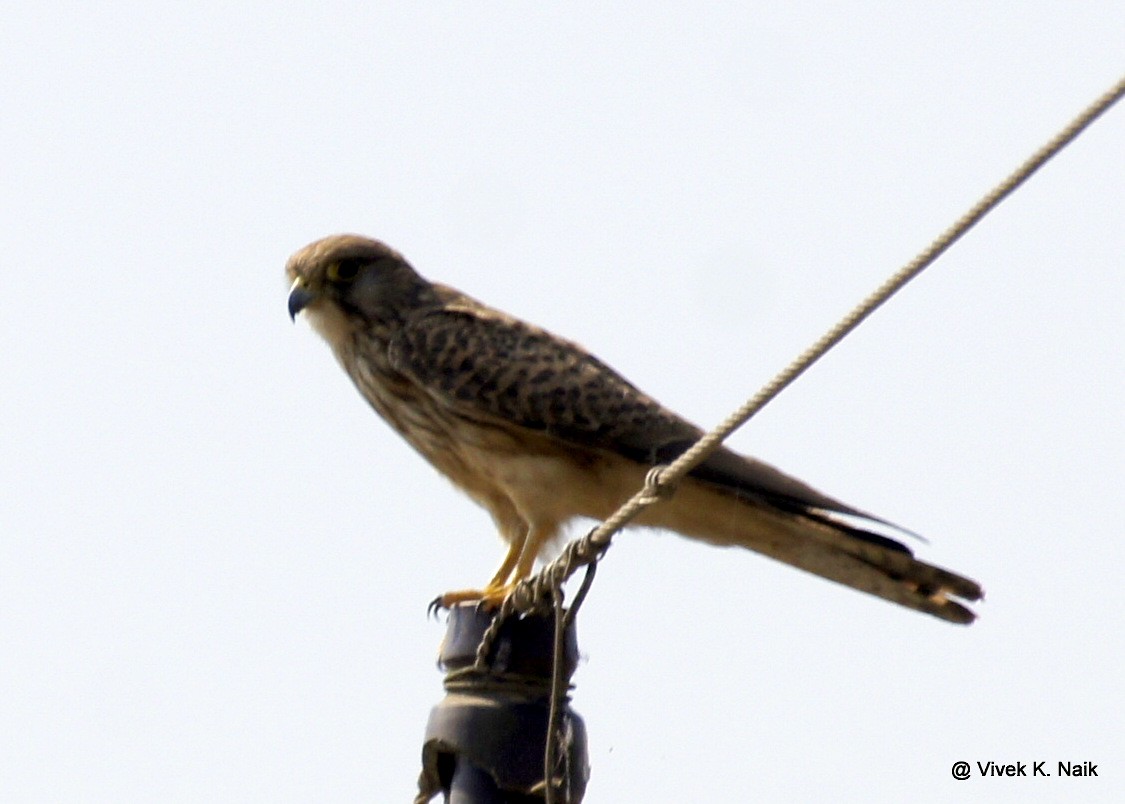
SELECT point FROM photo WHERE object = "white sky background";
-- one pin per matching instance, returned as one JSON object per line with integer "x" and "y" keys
{"x": 215, "y": 560}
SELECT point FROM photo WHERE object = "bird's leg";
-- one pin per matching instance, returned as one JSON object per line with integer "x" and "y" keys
{"x": 533, "y": 545}
{"x": 504, "y": 571}
{"x": 497, "y": 589}
{"x": 516, "y": 566}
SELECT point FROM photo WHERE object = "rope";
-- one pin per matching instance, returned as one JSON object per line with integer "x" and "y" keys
{"x": 661, "y": 481}
{"x": 554, "y": 714}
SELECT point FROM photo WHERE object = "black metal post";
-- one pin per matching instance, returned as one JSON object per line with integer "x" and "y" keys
{"x": 485, "y": 742}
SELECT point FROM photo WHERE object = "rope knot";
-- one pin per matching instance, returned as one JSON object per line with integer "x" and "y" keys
{"x": 656, "y": 486}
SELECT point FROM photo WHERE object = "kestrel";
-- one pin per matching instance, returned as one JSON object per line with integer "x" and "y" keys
{"x": 539, "y": 431}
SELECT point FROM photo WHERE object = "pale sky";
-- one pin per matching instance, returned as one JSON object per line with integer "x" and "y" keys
{"x": 215, "y": 560}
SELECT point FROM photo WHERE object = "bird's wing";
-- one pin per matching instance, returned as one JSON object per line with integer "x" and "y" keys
{"x": 485, "y": 364}
{"x": 482, "y": 363}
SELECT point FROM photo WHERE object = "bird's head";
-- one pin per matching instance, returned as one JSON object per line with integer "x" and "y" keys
{"x": 343, "y": 281}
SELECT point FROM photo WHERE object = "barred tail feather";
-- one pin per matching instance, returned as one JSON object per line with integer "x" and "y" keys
{"x": 849, "y": 556}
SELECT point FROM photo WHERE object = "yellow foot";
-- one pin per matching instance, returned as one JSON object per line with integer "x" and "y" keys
{"x": 490, "y": 597}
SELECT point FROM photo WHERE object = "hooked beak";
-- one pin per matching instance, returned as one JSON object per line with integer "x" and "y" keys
{"x": 300, "y": 297}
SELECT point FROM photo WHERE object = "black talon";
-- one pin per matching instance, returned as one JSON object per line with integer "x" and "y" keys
{"x": 435, "y": 606}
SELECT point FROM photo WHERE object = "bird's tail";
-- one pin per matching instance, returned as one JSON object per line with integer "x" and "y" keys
{"x": 811, "y": 538}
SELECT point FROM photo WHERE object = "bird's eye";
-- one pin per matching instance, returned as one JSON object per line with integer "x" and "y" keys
{"x": 343, "y": 271}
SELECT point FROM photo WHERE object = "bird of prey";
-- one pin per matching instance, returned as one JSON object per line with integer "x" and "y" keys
{"x": 539, "y": 431}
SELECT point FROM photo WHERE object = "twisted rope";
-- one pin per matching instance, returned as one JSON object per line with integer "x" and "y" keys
{"x": 531, "y": 593}
{"x": 545, "y": 588}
